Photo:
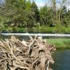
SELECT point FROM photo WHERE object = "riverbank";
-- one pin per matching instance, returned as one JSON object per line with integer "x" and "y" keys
{"x": 60, "y": 43}
{"x": 39, "y": 29}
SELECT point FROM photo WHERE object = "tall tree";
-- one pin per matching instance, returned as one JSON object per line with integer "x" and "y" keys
{"x": 35, "y": 10}
{"x": 13, "y": 11}
{"x": 57, "y": 14}
{"x": 45, "y": 16}
{"x": 65, "y": 18}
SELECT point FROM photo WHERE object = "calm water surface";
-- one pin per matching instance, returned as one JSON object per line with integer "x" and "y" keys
{"x": 62, "y": 60}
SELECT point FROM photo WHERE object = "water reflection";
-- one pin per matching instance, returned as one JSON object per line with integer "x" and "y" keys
{"x": 62, "y": 60}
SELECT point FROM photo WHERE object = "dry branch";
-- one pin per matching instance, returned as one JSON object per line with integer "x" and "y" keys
{"x": 34, "y": 54}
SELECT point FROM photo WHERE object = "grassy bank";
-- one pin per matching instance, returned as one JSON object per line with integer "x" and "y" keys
{"x": 60, "y": 43}
{"x": 37, "y": 29}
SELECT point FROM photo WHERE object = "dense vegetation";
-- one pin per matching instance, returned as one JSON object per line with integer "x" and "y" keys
{"x": 25, "y": 16}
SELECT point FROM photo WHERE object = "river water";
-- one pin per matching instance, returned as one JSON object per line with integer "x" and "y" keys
{"x": 62, "y": 60}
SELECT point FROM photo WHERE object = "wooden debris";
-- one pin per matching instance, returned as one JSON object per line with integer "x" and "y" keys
{"x": 34, "y": 54}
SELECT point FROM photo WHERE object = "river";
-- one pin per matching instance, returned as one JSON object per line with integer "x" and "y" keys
{"x": 62, "y": 60}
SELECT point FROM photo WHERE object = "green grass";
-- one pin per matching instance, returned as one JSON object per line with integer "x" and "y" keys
{"x": 37, "y": 29}
{"x": 60, "y": 43}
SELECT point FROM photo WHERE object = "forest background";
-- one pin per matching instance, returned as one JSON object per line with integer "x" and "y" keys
{"x": 25, "y": 16}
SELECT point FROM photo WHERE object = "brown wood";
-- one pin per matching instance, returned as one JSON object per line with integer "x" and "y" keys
{"x": 25, "y": 55}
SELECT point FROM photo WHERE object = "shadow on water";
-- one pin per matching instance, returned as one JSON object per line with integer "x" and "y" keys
{"x": 62, "y": 60}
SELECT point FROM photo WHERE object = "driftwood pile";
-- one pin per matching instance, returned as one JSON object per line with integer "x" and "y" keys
{"x": 34, "y": 54}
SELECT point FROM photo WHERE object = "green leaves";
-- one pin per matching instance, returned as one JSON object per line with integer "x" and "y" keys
{"x": 25, "y": 14}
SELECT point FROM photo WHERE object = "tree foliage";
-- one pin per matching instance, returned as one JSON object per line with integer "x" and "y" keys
{"x": 26, "y": 14}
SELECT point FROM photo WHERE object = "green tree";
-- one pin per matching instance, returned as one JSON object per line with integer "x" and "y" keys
{"x": 66, "y": 19}
{"x": 13, "y": 11}
{"x": 45, "y": 16}
{"x": 36, "y": 11}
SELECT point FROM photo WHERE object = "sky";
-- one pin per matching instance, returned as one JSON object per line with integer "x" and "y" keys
{"x": 41, "y": 3}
